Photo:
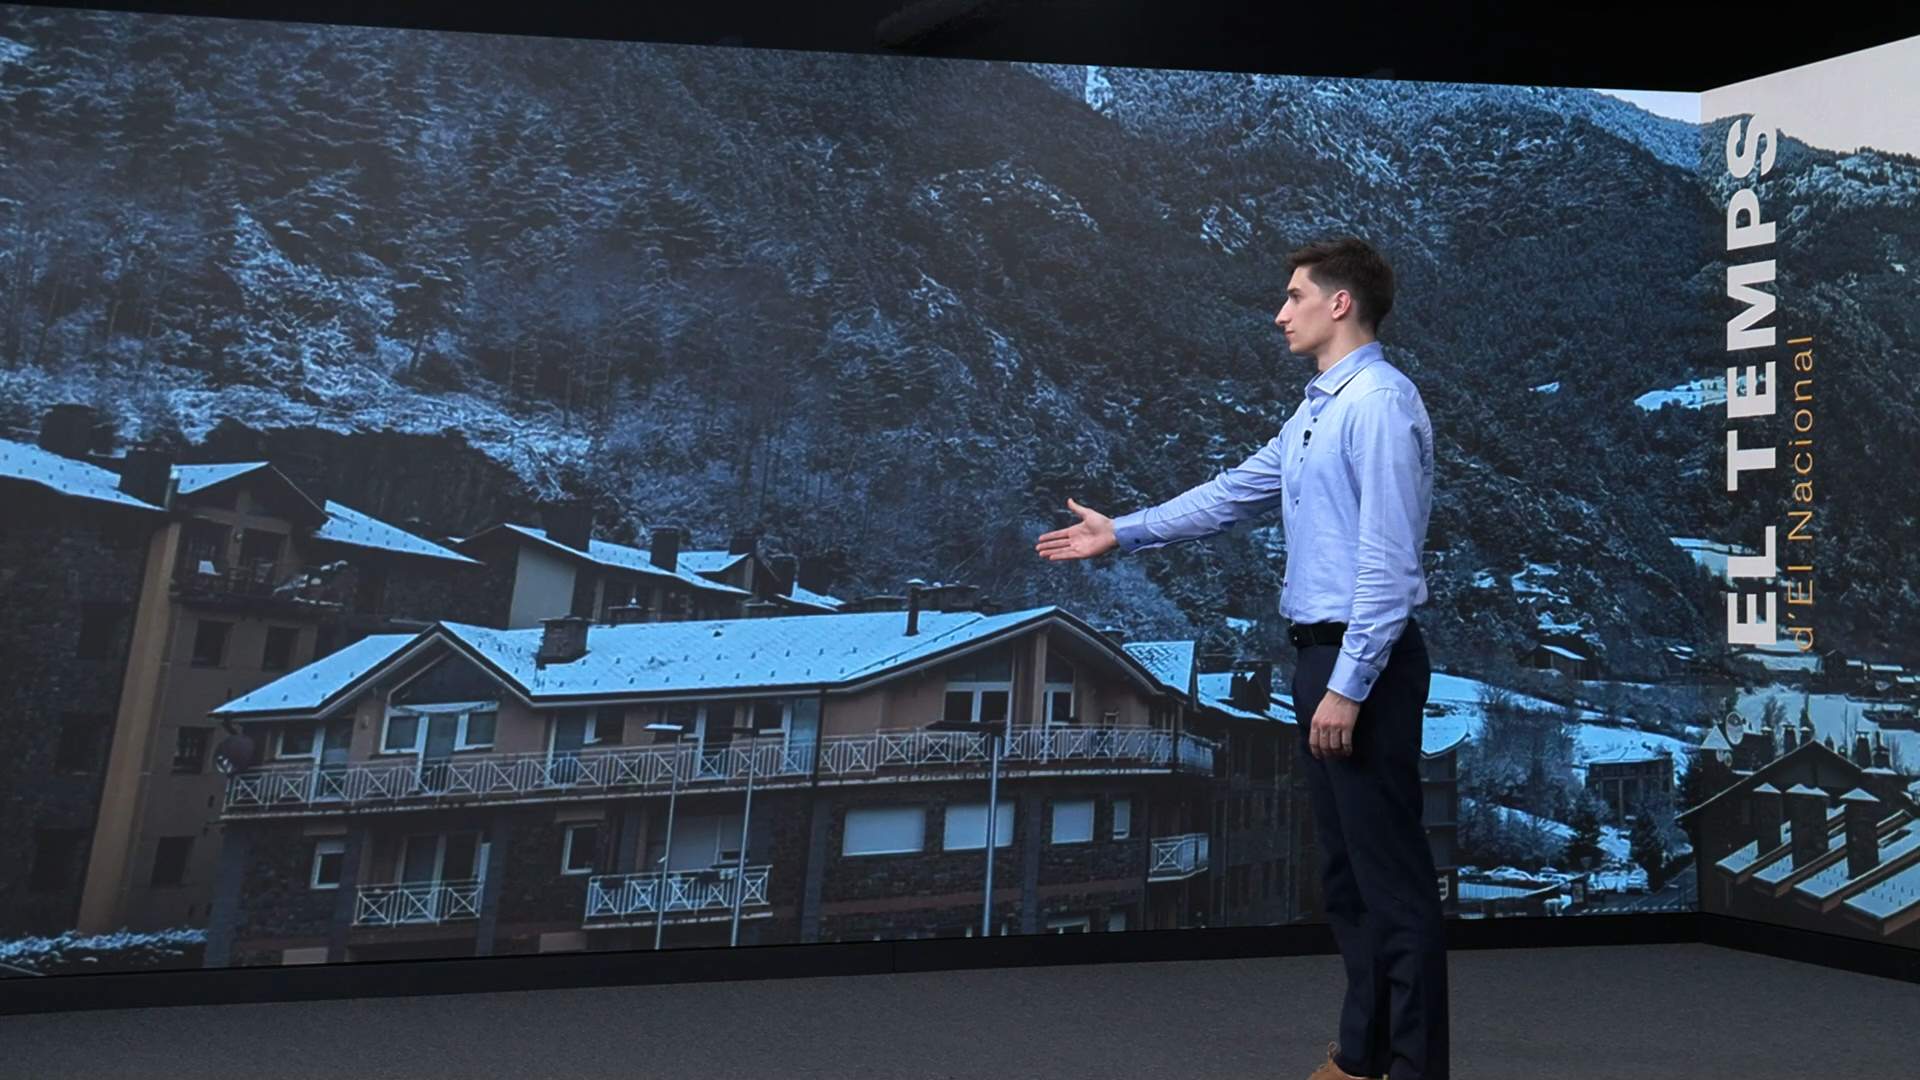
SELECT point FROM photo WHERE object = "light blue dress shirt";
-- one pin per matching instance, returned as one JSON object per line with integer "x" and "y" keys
{"x": 1352, "y": 474}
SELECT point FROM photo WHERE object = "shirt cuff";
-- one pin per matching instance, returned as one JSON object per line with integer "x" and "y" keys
{"x": 1352, "y": 678}
{"x": 1130, "y": 531}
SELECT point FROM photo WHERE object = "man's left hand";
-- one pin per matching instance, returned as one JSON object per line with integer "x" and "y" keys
{"x": 1333, "y": 722}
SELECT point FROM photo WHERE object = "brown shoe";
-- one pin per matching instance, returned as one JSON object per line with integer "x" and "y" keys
{"x": 1330, "y": 1071}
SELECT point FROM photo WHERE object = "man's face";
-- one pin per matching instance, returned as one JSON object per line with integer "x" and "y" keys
{"x": 1307, "y": 316}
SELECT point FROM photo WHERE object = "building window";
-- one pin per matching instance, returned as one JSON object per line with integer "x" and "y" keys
{"x": 977, "y": 704}
{"x": 170, "y": 860}
{"x": 298, "y": 741}
{"x": 278, "y": 654}
{"x": 402, "y": 735}
{"x": 203, "y": 548}
{"x": 1073, "y": 821}
{"x": 967, "y": 826}
{"x": 329, "y": 856}
{"x": 1059, "y": 691}
{"x": 980, "y": 689}
{"x": 476, "y": 730}
{"x": 1122, "y": 818}
{"x": 56, "y": 858}
{"x": 79, "y": 748}
{"x": 1117, "y": 920}
{"x": 607, "y": 725}
{"x": 210, "y": 643}
{"x": 577, "y": 853}
{"x": 1070, "y": 924}
{"x": 190, "y": 749}
{"x": 99, "y": 625}
{"x": 885, "y": 830}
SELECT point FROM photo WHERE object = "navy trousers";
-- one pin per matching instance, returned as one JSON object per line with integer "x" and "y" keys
{"x": 1377, "y": 871}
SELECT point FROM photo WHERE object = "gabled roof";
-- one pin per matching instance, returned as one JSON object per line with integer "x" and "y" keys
{"x": 808, "y": 596}
{"x": 197, "y": 478}
{"x": 1171, "y": 662}
{"x": 30, "y": 464}
{"x": 321, "y": 683}
{"x": 345, "y": 525}
{"x": 1767, "y": 772}
{"x": 710, "y": 562}
{"x": 679, "y": 659}
{"x": 614, "y": 556}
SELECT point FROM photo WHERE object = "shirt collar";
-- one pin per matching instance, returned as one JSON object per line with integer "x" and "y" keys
{"x": 1332, "y": 380}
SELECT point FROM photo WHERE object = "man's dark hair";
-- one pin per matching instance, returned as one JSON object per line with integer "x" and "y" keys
{"x": 1350, "y": 263}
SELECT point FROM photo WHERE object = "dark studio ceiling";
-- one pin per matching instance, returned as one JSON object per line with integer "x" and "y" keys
{"x": 1674, "y": 46}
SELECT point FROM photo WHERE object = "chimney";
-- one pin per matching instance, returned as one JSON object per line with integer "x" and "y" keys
{"x": 1765, "y": 800}
{"x": 569, "y": 523}
{"x": 743, "y": 543}
{"x": 786, "y": 571}
{"x": 1882, "y": 757}
{"x": 1807, "y": 818}
{"x": 67, "y": 430}
{"x": 562, "y": 640}
{"x": 147, "y": 475}
{"x": 1863, "y": 833}
{"x": 1263, "y": 683}
{"x": 663, "y": 549}
{"x": 1115, "y": 634}
{"x": 625, "y": 614}
{"x": 1790, "y": 738}
{"x": 914, "y": 589}
{"x": 1862, "y": 751}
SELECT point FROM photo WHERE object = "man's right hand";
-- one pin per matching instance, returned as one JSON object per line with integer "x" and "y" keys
{"x": 1093, "y": 536}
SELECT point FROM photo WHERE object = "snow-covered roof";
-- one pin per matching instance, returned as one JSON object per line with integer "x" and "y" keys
{"x": 1170, "y": 661}
{"x": 1439, "y": 734}
{"x": 808, "y": 596}
{"x": 30, "y": 464}
{"x": 622, "y": 557}
{"x": 1628, "y": 756}
{"x": 1216, "y": 690}
{"x": 708, "y": 562}
{"x": 675, "y": 658}
{"x": 345, "y": 525}
{"x": 1891, "y": 897}
{"x": 1885, "y": 668}
{"x": 318, "y": 684}
{"x": 1568, "y": 653}
{"x": 194, "y": 478}
{"x": 1715, "y": 741}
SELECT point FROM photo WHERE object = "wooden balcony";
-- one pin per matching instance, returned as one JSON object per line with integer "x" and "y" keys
{"x": 1176, "y": 858}
{"x": 877, "y": 757}
{"x": 637, "y": 899}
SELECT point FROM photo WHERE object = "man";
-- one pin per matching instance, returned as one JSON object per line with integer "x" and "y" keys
{"x": 1352, "y": 474}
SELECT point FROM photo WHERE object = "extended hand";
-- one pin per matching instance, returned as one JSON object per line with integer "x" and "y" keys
{"x": 1333, "y": 721}
{"x": 1093, "y": 536}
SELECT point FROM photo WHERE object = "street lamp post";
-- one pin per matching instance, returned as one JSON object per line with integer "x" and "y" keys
{"x": 678, "y": 731}
{"x": 993, "y": 734}
{"x": 746, "y": 817}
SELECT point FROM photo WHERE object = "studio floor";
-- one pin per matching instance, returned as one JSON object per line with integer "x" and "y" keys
{"x": 1566, "y": 1014}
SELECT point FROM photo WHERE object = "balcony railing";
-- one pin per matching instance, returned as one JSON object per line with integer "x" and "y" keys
{"x": 259, "y": 580}
{"x": 614, "y": 899}
{"x": 631, "y": 769}
{"x": 417, "y": 903}
{"x": 1175, "y": 858}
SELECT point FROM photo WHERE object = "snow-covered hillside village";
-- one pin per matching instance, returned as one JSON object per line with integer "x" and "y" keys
{"x": 419, "y": 516}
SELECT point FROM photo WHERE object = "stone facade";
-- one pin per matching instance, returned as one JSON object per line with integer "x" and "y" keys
{"x": 70, "y": 571}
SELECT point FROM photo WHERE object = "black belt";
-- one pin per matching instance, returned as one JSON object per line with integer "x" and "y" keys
{"x": 1324, "y": 633}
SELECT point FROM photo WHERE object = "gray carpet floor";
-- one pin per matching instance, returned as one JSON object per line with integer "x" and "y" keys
{"x": 1566, "y": 1014}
